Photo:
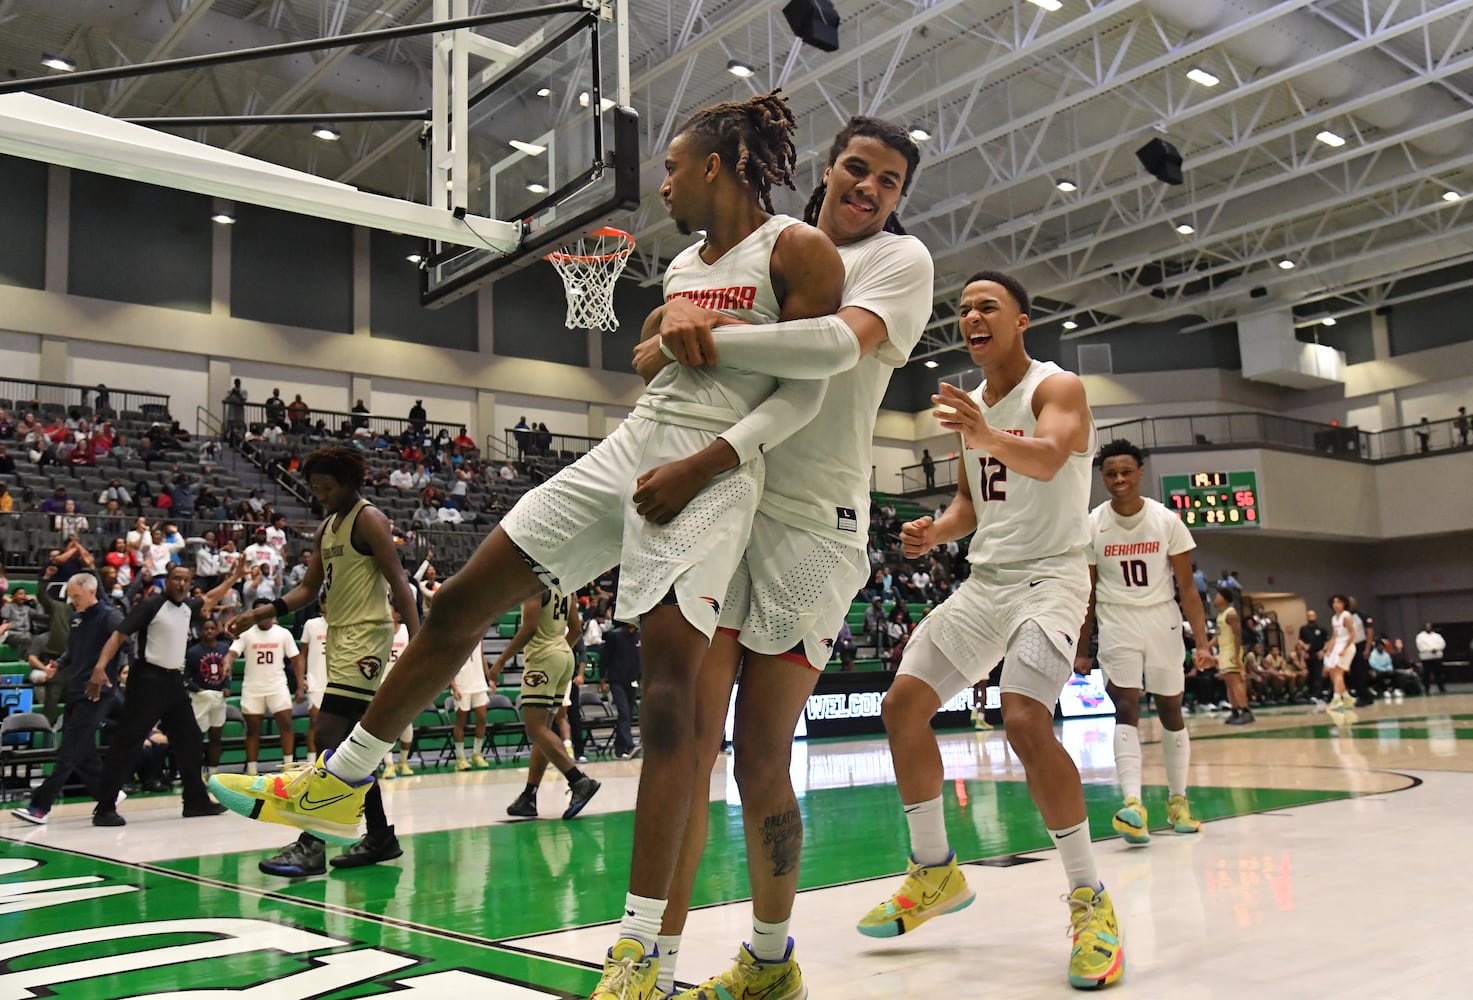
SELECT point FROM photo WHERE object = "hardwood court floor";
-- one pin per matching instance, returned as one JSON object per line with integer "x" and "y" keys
{"x": 1330, "y": 864}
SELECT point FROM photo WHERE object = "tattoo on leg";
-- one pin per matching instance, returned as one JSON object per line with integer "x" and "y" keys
{"x": 782, "y": 836}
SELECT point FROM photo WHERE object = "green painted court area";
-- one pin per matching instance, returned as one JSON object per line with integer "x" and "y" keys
{"x": 433, "y": 924}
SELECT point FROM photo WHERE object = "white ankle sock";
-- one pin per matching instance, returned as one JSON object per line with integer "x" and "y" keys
{"x": 927, "y": 822}
{"x": 641, "y": 920}
{"x": 669, "y": 945}
{"x": 460, "y": 751}
{"x": 1176, "y": 747}
{"x": 1078, "y": 855}
{"x": 1128, "y": 760}
{"x": 770, "y": 941}
{"x": 358, "y": 756}
{"x": 250, "y": 767}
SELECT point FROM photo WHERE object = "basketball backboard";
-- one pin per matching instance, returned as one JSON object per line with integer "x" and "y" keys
{"x": 549, "y": 142}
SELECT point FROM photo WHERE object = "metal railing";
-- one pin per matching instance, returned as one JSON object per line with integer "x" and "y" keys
{"x": 71, "y": 398}
{"x": 529, "y": 442}
{"x": 1210, "y": 431}
{"x": 330, "y": 422}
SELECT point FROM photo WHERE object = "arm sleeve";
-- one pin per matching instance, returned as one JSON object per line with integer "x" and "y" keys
{"x": 141, "y": 615}
{"x": 776, "y": 418}
{"x": 894, "y": 280}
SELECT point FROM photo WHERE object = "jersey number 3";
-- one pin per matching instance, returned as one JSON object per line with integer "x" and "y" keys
{"x": 994, "y": 480}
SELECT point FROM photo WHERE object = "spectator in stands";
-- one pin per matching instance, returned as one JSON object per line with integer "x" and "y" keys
{"x": 256, "y": 505}
{"x": 209, "y": 567}
{"x": 148, "y": 451}
{"x": 276, "y": 408}
{"x": 523, "y": 434}
{"x": 426, "y": 515}
{"x": 259, "y": 586}
{"x": 460, "y": 488}
{"x": 233, "y": 419}
{"x": 262, "y": 553}
{"x": 7, "y": 503}
{"x": 181, "y": 496}
{"x": 1430, "y": 649}
{"x": 15, "y": 618}
{"x": 1424, "y": 436}
{"x": 508, "y": 471}
{"x": 276, "y": 535}
{"x": 207, "y": 503}
{"x": 7, "y": 463}
{"x": 1228, "y": 579}
{"x": 401, "y": 478}
{"x": 70, "y": 522}
{"x": 544, "y": 439}
{"x": 446, "y": 514}
{"x": 120, "y": 561}
{"x": 619, "y": 663}
{"x": 928, "y": 466}
{"x": 463, "y": 441}
{"x": 298, "y": 413}
{"x": 874, "y": 624}
{"x": 156, "y": 557}
{"x": 920, "y": 586}
{"x": 122, "y": 450}
{"x": 417, "y": 415}
{"x": 209, "y": 452}
{"x": 7, "y": 426}
{"x": 844, "y": 647}
{"x": 115, "y": 490}
{"x": 56, "y": 502}
{"x": 360, "y": 415}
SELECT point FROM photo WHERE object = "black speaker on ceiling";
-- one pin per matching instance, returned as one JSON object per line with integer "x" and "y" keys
{"x": 815, "y": 22}
{"x": 1161, "y": 159}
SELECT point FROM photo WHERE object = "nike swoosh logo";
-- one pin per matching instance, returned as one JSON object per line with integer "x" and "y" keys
{"x": 1034, "y": 583}
{"x": 1069, "y": 834}
{"x": 307, "y": 805}
{"x": 628, "y": 913}
{"x": 932, "y": 898}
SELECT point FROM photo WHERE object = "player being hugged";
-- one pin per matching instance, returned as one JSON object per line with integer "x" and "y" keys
{"x": 1137, "y": 548}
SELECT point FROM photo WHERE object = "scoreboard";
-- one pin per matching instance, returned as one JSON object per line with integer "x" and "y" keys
{"x": 1214, "y": 499}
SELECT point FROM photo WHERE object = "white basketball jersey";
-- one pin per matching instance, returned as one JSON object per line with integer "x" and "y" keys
{"x": 266, "y": 652}
{"x": 740, "y": 285}
{"x": 1131, "y": 555}
{"x": 314, "y": 637}
{"x": 471, "y": 678}
{"x": 818, "y": 479}
{"x": 1021, "y": 519}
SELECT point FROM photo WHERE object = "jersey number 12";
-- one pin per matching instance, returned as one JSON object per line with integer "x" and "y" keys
{"x": 994, "y": 480}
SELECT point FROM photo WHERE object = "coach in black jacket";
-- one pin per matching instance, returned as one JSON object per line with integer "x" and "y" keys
{"x": 619, "y": 662}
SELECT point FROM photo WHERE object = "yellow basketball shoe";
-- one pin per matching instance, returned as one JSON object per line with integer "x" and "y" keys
{"x": 1131, "y": 822}
{"x": 1179, "y": 815}
{"x": 926, "y": 892}
{"x": 405, "y": 770}
{"x": 629, "y": 974}
{"x": 478, "y": 761}
{"x": 1098, "y": 958}
{"x": 753, "y": 979}
{"x": 306, "y": 796}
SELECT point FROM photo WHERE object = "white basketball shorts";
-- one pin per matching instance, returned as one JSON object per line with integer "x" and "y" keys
{"x": 1142, "y": 648}
{"x": 804, "y": 584}
{"x": 582, "y": 521}
{"x": 266, "y": 701}
{"x": 471, "y": 700}
{"x": 982, "y": 623}
{"x": 209, "y": 709}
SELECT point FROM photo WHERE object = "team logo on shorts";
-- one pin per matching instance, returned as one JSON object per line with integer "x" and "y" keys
{"x": 534, "y": 678}
{"x": 827, "y": 643}
{"x": 370, "y": 666}
{"x": 715, "y": 604}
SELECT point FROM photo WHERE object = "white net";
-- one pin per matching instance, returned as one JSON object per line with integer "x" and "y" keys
{"x": 590, "y": 267}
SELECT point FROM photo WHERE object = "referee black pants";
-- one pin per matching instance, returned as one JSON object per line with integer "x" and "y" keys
{"x": 154, "y": 695}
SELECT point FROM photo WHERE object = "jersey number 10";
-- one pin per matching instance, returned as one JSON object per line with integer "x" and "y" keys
{"x": 1134, "y": 572}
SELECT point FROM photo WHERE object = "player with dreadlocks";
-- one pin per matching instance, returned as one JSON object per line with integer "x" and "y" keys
{"x": 624, "y": 503}
{"x": 806, "y": 555}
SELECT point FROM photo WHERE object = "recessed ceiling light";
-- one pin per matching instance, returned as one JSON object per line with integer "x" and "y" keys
{"x": 1067, "y": 186}
{"x": 530, "y": 148}
{"x": 1328, "y": 321}
{"x": 58, "y": 62}
{"x": 326, "y": 133}
{"x": 919, "y": 134}
{"x": 1203, "y": 77}
{"x": 1185, "y": 229}
{"x": 1286, "y": 264}
{"x": 414, "y": 258}
{"x": 738, "y": 68}
{"x": 1069, "y": 324}
{"x": 1047, "y": 4}
{"x": 1330, "y": 139}
{"x": 536, "y": 188}
{"x": 1451, "y": 196}
{"x": 544, "y": 92}
{"x": 223, "y": 218}
{"x": 930, "y": 363}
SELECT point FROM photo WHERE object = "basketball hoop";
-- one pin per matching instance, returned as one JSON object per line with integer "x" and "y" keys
{"x": 589, "y": 267}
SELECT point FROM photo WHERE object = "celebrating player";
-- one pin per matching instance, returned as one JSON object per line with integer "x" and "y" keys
{"x": 1027, "y": 440}
{"x": 1137, "y": 547}
{"x": 719, "y": 171}
{"x": 806, "y": 556}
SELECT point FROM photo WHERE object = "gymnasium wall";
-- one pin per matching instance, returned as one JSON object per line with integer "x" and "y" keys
{"x": 321, "y": 390}
{"x": 23, "y": 207}
{"x": 184, "y": 377}
{"x": 20, "y": 355}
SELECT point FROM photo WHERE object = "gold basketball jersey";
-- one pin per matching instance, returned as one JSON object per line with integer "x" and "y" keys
{"x": 356, "y": 591}
{"x": 551, "y": 636}
{"x": 1229, "y": 647}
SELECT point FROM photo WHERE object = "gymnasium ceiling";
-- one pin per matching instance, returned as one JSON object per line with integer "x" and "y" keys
{"x": 1016, "y": 99}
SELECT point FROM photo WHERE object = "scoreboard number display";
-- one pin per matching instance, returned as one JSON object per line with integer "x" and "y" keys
{"x": 1214, "y": 499}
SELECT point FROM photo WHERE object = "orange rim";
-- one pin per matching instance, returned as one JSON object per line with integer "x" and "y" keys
{"x": 624, "y": 251}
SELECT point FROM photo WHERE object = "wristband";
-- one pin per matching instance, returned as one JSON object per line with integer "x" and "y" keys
{"x": 279, "y": 605}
